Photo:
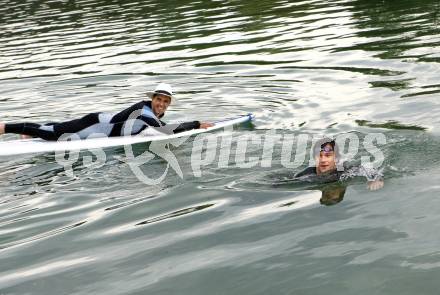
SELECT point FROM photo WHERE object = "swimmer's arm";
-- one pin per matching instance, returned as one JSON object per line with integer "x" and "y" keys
{"x": 374, "y": 177}
{"x": 192, "y": 125}
{"x": 177, "y": 128}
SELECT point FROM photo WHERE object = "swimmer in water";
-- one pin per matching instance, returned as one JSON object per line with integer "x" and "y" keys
{"x": 105, "y": 124}
{"x": 326, "y": 155}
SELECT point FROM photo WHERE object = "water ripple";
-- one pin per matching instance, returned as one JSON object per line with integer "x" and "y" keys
{"x": 301, "y": 67}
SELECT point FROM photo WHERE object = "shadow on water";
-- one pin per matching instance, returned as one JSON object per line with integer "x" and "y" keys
{"x": 175, "y": 214}
{"x": 390, "y": 125}
{"x": 390, "y": 20}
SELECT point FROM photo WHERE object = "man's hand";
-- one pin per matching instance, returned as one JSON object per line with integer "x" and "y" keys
{"x": 205, "y": 125}
{"x": 375, "y": 185}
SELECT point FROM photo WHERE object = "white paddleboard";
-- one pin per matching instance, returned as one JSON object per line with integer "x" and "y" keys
{"x": 37, "y": 145}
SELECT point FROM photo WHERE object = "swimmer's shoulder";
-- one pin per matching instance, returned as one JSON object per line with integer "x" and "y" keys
{"x": 308, "y": 171}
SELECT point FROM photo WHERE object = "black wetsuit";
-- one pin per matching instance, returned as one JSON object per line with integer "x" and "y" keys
{"x": 102, "y": 124}
{"x": 309, "y": 174}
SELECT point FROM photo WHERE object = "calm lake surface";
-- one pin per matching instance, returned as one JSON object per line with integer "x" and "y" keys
{"x": 301, "y": 67}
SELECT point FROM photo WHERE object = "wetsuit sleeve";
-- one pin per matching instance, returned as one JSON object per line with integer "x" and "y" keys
{"x": 176, "y": 128}
{"x": 187, "y": 126}
{"x": 153, "y": 122}
{"x": 370, "y": 174}
{"x": 123, "y": 115}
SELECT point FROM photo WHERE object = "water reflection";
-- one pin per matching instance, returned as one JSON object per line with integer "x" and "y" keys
{"x": 333, "y": 194}
{"x": 298, "y": 65}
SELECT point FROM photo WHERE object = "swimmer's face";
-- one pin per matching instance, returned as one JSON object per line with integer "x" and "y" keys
{"x": 326, "y": 162}
{"x": 160, "y": 103}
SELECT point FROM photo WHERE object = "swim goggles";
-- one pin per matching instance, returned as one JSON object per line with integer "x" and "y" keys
{"x": 327, "y": 149}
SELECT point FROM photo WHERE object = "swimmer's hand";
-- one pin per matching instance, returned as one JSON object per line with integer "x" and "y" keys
{"x": 375, "y": 185}
{"x": 205, "y": 125}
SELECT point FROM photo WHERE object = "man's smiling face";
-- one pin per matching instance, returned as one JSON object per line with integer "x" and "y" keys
{"x": 160, "y": 103}
{"x": 326, "y": 161}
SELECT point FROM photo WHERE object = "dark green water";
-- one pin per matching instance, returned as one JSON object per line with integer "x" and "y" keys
{"x": 307, "y": 67}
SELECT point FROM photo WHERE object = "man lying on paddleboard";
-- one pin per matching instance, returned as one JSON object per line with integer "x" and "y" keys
{"x": 326, "y": 155}
{"x": 145, "y": 113}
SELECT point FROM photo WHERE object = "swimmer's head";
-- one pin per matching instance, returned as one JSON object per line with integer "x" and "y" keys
{"x": 326, "y": 155}
{"x": 160, "y": 98}
{"x": 163, "y": 89}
